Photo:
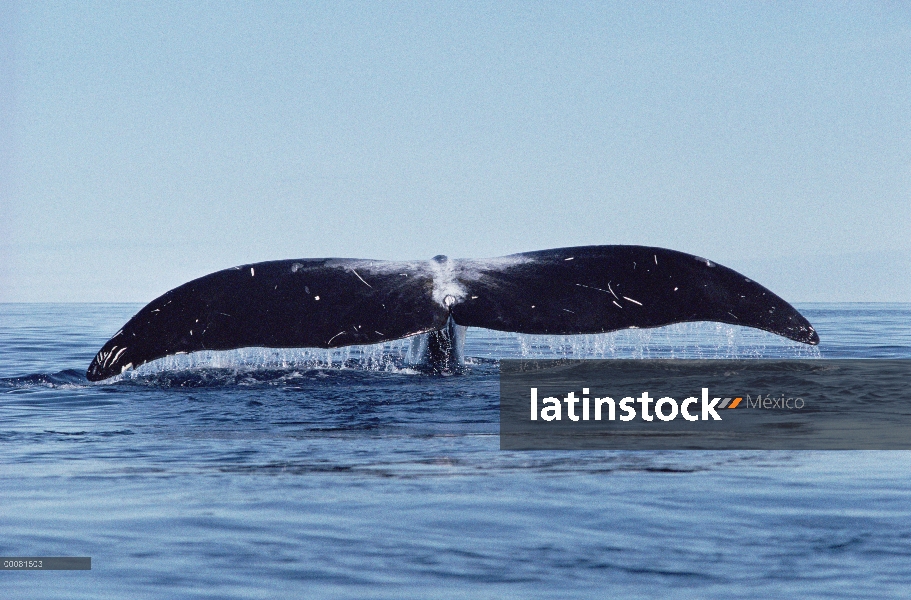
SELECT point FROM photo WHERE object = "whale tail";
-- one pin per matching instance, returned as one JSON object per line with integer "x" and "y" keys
{"x": 327, "y": 303}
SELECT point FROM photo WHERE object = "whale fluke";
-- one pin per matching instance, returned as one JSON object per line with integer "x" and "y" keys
{"x": 327, "y": 303}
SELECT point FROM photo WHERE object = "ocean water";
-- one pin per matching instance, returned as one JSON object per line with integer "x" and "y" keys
{"x": 346, "y": 474}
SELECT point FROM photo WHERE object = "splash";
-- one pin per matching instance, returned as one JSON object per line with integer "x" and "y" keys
{"x": 387, "y": 357}
{"x": 701, "y": 340}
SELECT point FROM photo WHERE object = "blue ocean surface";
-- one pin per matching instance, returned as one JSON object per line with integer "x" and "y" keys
{"x": 346, "y": 474}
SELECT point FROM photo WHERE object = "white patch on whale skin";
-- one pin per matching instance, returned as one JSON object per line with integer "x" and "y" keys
{"x": 116, "y": 356}
{"x": 380, "y": 267}
{"x": 448, "y": 276}
{"x": 447, "y": 290}
{"x": 465, "y": 270}
{"x": 476, "y": 269}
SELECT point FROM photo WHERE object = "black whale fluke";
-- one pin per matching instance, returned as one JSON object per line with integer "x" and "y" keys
{"x": 327, "y": 303}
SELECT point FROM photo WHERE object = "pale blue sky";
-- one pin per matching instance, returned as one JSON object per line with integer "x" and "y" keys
{"x": 147, "y": 144}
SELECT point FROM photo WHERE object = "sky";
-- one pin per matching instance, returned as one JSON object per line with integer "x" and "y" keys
{"x": 145, "y": 144}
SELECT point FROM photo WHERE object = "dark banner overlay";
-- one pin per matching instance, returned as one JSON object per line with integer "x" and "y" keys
{"x": 705, "y": 404}
{"x": 45, "y": 563}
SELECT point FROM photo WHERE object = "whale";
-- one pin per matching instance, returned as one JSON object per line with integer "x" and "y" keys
{"x": 334, "y": 302}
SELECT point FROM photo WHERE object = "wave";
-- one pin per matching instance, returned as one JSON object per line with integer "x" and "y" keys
{"x": 68, "y": 378}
